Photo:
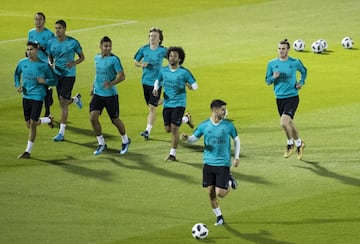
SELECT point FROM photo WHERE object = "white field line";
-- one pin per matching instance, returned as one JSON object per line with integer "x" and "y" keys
{"x": 81, "y": 30}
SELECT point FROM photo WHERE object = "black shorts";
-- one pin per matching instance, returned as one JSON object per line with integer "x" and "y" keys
{"x": 32, "y": 109}
{"x": 173, "y": 115}
{"x": 149, "y": 97}
{"x": 216, "y": 176}
{"x": 287, "y": 106}
{"x": 65, "y": 86}
{"x": 110, "y": 103}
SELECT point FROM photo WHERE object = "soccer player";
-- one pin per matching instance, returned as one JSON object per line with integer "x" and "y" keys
{"x": 150, "y": 58}
{"x": 35, "y": 76}
{"x": 281, "y": 72}
{"x": 109, "y": 73}
{"x": 41, "y": 35}
{"x": 174, "y": 78}
{"x": 217, "y": 132}
{"x": 62, "y": 50}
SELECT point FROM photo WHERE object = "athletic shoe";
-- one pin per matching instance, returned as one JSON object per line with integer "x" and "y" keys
{"x": 289, "y": 150}
{"x": 51, "y": 123}
{"x": 58, "y": 137}
{"x": 100, "y": 149}
{"x": 79, "y": 102}
{"x": 125, "y": 147}
{"x": 145, "y": 134}
{"x": 220, "y": 220}
{"x": 170, "y": 158}
{"x": 24, "y": 155}
{"x": 299, "y": 150}
{"x": 190, "y": 122}
{"x": 234, "y": 183}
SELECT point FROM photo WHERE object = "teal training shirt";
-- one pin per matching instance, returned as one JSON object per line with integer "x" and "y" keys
{"x": 217, "y": 151}
{"x": 42, "y": 38}
{"x": 28, "y": 71}
{"x": 64, "y": 52}
{"x": 174, "y": 85}
{"x": 155, "y": 60}
{"x": 284, "y": 85}
{"x": 107, "y": 68}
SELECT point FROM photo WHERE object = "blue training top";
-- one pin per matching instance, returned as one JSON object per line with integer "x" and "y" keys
{"x": 174, "y": 83}
{"x": 42, "y": 38}
{"x": 217, "y": 144}
{"x": 107, "y": 68}
{"x": 285, "y": 84}
{"x": 155, "y": 61}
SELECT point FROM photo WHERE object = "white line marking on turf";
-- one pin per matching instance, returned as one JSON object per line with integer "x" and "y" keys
{"x": 80, "y": 30}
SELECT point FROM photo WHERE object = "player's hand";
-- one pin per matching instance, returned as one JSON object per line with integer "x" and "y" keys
{"x": 92, "y": 92}
{"x": 236, "y": 162}
{"x": 144, "y": 64}
{"x": 155, "y": 92}
{"x": 276, "y": 74}
{"x": 107, "y": 84}
{"x": 19, "y": 89}
{"x": 41, "y": 80}
{"x": 184, "y": 136}
{"x": 298, "y": 86}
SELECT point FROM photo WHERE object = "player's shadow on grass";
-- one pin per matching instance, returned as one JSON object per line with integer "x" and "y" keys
{"x": 262, "y": 237}
{"x": 324, "y": 172}
{"x": 104, "y": 175}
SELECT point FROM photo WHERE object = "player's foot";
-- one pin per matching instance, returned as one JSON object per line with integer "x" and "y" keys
{"x": 100, "y": 149}
{"x": 51, "y": 123}
{"x": 24, "y": 155}
{"x": 78, "y": 101}
{"x": 234, "y": 183}
{"x": 125, "y": 147}
{"x": 299, "y": 150}
{"x": 289, "y": 150}
{"x": 58, "y": 137}
{"x": 190, "y": 122}
{"x": 170, "y": 158}
{"x": 220, "y": 220}
{"x": 145, "y": 134}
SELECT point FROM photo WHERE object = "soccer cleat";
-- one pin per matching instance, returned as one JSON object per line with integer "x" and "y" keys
{"x": 100, "y": 149}
{"x": 234, "y": 183}
{"x": 299, "y": 150}
{"x": 58, "y": 137}
{"x": 219, "y": 220}
{"x": 170, "y": 158}
{"x": 190, "y": 122}
{"x": 145, "y": 134}
{"x": 79, "y": 102}
{"x": 24, "y": 155}
{"x": 289, "y": 151}
{"x": 125, "y": 147}
{"x": 51, "y": 123}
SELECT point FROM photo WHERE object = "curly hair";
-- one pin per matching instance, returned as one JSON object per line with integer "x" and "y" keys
{"x": 179, "y": 50}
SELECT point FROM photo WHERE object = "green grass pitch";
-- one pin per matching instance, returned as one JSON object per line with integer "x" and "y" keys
{"x": 64, "y": 194}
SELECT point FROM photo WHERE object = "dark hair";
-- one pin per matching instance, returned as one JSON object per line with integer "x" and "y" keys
{"x": 285, "y": 41}
{"x": 158, "y": 30}
{"x": 217, "y": 103}
{"x": 34, "y": 44}
{"x": 61, "y": 22}
{"x": 42, "y": 14}
{"x": 179, "y": 50}
{"x": 105, "y": 39}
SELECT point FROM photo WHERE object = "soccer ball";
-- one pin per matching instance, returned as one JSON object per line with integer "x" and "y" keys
{"x": 299, "y": 45}
{"x": 323, "y": 43}
{"x": 347, "y": 42}
{"x": 200, "y": 231}
{"x": 317, "y": 47}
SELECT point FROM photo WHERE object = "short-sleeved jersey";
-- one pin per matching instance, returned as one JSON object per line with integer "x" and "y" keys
{"x": 174, "y": 85}
{"x": 28, "y": 71}
{"x": 42, "y": 38}
{"x": 107, "y": 68}
{"x": 63, "y": 52}
{"x": 155, "y": 60}
{"x": 285, "y": 85}
{"x": 217, "y": 151}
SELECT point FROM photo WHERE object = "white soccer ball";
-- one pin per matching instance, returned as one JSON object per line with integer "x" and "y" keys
{"x": 317, "y": 47}
{"x": 323, "y": 43}
{"x": 347, "y": 42}
{"x": 200, "y": 231}
{"x": 299, "y": 45}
